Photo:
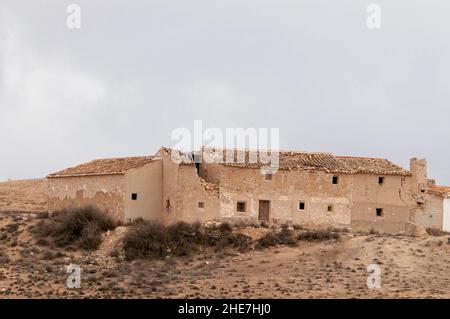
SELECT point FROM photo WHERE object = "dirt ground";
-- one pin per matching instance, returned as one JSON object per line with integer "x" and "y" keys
{"x": 411, "y": 267}
{"x": 23, "y": 196}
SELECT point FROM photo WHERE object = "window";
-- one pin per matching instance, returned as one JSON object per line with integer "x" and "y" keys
{"x": 335, "y": 179}
{"x": 201, "y": 204}
{"x": 301, "y": 205}
{"x": 168, "y": 204}
{"x": 134, "y": 196}
{"x": 330, "y": 208}
{"x": 268, "y": 177}
{"x": 240, "y": 207}
{"x": 380, "y": 180}
{"x": 379, "y": 212}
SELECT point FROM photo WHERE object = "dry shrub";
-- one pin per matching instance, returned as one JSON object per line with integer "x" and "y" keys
{"x": 81, "y": 227}
{"x": 12, "y": 228}
{"x": 4, "y": 258}
{"x": 318, "y": 235}
{"x": 283, "y": 237}
{"x": 436, "y": 232}
{"x": 145, "y": 240}
{"x": 237, "y": 240}
{"x": 246, "y": 223}
{"x": 184, "y": 238}
{"x": 224, "y": 227}
{"x": 150, "y": 240}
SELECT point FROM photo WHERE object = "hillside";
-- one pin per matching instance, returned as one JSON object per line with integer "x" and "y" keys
{"x": 23, "y": 196}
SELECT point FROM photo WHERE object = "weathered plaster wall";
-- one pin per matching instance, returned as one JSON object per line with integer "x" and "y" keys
{"x": 183, "y": 189}
{"x": 446, "y": 217}
{"x": 393, "y": 196}
{"x": 105, "y": 192}
{"x": 284, "y": 192}
{"x": 433, "y": 216}
{"x": 146, "y": 182}
{"x": 193, "y": 190}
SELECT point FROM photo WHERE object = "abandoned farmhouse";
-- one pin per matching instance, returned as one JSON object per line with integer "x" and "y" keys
{"x": 308, "y": 189}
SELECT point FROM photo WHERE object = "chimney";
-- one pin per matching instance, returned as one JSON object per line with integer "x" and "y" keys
{"x": 418, "y": 168}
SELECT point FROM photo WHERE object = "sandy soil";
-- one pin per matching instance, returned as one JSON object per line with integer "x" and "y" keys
{"x": 23, "y": 196}
{"x": 411, "y": 267}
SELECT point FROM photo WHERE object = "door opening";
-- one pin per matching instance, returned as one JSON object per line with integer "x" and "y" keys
{"x": 264, "y": 207}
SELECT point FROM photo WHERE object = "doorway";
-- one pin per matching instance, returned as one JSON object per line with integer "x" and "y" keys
{"x": 264, "y": 207}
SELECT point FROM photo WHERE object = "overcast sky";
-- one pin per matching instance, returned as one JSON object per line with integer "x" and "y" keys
{"x": 136, "y": 70}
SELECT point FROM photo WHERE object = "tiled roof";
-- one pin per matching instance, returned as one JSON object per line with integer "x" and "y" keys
{"x": 380, "y": 166}
{"x": 287, "y": 160}
{"x": 443, "y": 191}
{"x": 318, "y": 161}
{"x": 109, "y": 166}
{"x": 304, "y": 161}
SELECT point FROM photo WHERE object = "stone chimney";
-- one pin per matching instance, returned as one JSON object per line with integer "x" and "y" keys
{"x": 418, "y": 168}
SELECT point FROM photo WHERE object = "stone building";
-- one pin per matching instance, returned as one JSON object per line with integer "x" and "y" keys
{"x": 125, "y": 187}
{"x": 315, "y": 189}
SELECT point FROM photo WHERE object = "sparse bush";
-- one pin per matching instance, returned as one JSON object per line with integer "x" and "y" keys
{"x": 42, "y": 215}
{"x": 264, "y": 225}
{"x": 247, "y": 223}
{"x": 42, "y": 242}
{"x": 436, "y": 232}
{"x": 297, "y": 227}
{"x": 4, "y": 258}
{"x": 318, "y": 235}
{"x": 145, "y": 240}
{"x": 81, "y": 227}
{"x": 148, "y": 240}
{"x": 237, "y": 240}
{"x": 11, "y": 228}
{"x": 225, "y": 227}
{"x": 274, "y": 238}
{"x": 184, "y": 238}
{"x": 338, "y": 229}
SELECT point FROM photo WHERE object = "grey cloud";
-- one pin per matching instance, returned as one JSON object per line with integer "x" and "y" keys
{"x": 137, "y": 70}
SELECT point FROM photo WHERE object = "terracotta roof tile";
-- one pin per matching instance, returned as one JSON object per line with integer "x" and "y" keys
{"x": 443, "y": 191}
{"x": 317, "y": 161}
{"x": 109, "y": 166}
{"x": 369, "y": 165}
{"x": 288, "y": 160}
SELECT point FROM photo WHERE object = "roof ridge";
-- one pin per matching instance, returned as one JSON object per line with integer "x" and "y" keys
{"x": 364, "y": 157}
{"x": 271, "y": 150}
{"x": 124, "y": 157}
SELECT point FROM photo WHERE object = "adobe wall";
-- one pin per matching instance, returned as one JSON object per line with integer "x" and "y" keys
{"x": 194, "y": 190}
{"x": 418, "y": 168}
{"x": 171, "y": 199}
{"x": 284, "y": 192}
{"x": 105, "y": 192}
{"x": 146, "y": 182}
{"x": 393, "y": 196}
{"x": 433, "y": 216}
{"x": 183, "y": 188}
